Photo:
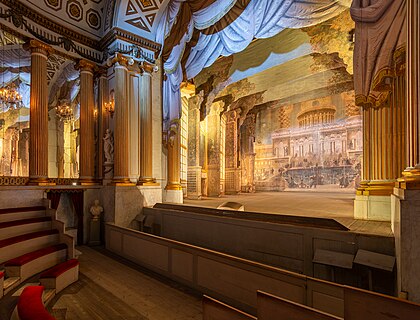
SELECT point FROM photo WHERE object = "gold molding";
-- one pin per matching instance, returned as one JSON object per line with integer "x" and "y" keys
{"x": 85, "y": 65}
{"x": 37, "y": 46}
{"x": 410, "y": 179}
{"x": 376, "y": 188}
{"x": 118, "y": 34}
{"x": 50, "y": 24}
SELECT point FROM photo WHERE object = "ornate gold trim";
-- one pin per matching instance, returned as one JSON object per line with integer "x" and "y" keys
{"x": 119, "y": 34}
{"x": 410, "y": 179}
{"x": 49, "y": 24}
{"x": 376, "y": 188}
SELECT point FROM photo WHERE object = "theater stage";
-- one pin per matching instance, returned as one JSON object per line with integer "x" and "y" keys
{"x": 321, "y": 203}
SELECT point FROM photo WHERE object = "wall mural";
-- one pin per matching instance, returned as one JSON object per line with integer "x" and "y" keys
{"x": 299, "y": 127}
{"x": 310, "y": 144}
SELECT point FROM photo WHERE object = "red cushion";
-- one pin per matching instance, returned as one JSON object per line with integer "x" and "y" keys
{"x": 23, "y": 209}
{"x": 23, "y": 221}
{"x": 1, "y": 275}
{"x": 59, "y": 269}
{"x": 27, "y": 236}
{"x": 30, "y": 305}
{"x": 28, "y": 257}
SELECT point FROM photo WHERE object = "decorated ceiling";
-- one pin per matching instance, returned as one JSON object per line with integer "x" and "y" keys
{"x": 94, "y": 18}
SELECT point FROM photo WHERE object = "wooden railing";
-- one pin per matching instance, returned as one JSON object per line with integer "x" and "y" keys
{"x": 235, "y": 281}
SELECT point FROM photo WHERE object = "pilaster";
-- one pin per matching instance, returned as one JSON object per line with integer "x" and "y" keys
{"x": 194, "y": 168}
{"x": 233, "y": 174}
{"x": 173, "y": 189}
{"x": 213, "y": 131}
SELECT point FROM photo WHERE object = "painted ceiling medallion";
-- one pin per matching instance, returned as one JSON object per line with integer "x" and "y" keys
{"x": 74, "y": 10}
{"x": 147, "y": 5}
{"x": 54, "y": 4}
{"x": 93, "y": 19}
{"x": 139, "y": 23}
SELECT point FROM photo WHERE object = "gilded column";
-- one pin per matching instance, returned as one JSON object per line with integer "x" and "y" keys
{"x": 174, "y": 156}
{"x": 213, "y": 131}
{"x": 194, "y": 168}
{"x": 102, "y": 117}
{"x": 38, "y": 142}
{"x": 406, "y": 197}
{"x": 413, "y": 85}
{"x": 121, "y": 134}
{"x": 384, "y": 129}
{"x": 146, "y": 132}
{"x": 87, "y": 123}
{"x": 232, "y": 177}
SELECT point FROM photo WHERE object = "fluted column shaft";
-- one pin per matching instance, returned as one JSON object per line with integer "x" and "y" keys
{"x": 38, "y": 142}
{"x": 174, "y": 156}
{"x": 146, "y": 127}
{"x": 87, "y": 123}
{"x": 121, "y": 134}
{"x": 384, "y": 137}
{"x": 102, "y": 117}
{"x": 413, "y": 82}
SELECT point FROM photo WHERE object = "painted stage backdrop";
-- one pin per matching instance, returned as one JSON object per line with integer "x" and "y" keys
{"x": 299, "y": 127}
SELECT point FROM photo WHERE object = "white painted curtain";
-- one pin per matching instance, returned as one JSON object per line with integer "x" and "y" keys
{"x": 260, "y": 19}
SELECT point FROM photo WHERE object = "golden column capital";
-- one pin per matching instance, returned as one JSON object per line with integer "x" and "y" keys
{"x": 120, "y": 59}
{"x": 85, "y": 66}
{"x": 36, "y": 46}
{"x": 101, "y": 72}
{"x": 148, "y": 68}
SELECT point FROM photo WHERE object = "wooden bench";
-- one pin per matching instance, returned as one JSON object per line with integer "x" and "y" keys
{"x": 31, "y": 306}
{"x": 216, "y": 310}
{"x": 273, "y": 307}
{"x": 37, "y": 261}
{"x": 61, "y": 275}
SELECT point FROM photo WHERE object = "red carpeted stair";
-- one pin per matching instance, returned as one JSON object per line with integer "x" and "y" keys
{"x": 27, "y": 236}
{"x": 59, "y": 269}
{"x": 28, "y": 257}
{"x": 16, "y": 223}
{"x": 23, "y": 209}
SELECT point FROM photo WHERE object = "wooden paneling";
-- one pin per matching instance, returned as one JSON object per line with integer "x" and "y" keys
{"x": 216, "y": 310}
{"x": 366, "y": 305}
{"x": 270, "y": 307}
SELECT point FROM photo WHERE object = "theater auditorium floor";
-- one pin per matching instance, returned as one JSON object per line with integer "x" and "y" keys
{"x": 116, "y": 289}
{"x": 321, "y": 203}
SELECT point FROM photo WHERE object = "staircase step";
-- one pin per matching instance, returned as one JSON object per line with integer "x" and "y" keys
{"x": 10, "y": 283}
{"x": 19, "y": 227}
{"x": 22, "y": 244}
{"x": 13, "y": 214}
{"x": 23, "y": 259}
{"x": 48, "y": 295}
{"x": 21, "y": 209}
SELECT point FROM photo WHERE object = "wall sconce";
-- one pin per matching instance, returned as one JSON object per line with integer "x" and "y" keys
{"x": 110, "y": 107}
